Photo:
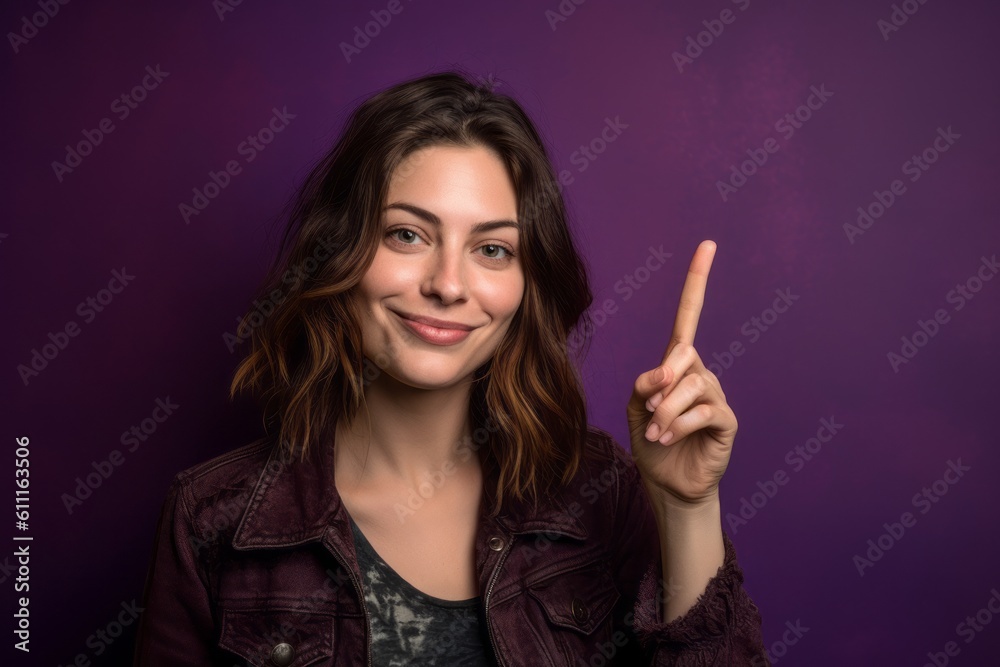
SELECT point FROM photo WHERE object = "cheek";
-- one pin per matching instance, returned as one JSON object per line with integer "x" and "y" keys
{"x": 501, "y": 298}
{"x": 385, "y": 276}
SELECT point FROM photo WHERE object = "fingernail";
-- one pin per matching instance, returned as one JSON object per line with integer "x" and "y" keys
{"x": 658, "y": 374}
{"x": 666, "y": 437}
{"x": 654, "y": 401}
{"x": 652, "y": 431}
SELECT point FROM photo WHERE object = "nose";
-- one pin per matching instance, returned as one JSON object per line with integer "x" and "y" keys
{"x": 445, "y": 276}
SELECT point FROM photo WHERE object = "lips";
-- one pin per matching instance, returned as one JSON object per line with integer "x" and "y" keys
{"x": 434, "y": 322}
{"x": 447, "y": 333}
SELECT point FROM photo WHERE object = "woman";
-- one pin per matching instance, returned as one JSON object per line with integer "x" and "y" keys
{"x": 431, "y": 492}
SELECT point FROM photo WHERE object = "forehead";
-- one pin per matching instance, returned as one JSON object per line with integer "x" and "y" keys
{"x": 455, "y": 178}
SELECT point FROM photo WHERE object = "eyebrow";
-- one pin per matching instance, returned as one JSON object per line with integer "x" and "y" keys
{"x": 424, "y": 214}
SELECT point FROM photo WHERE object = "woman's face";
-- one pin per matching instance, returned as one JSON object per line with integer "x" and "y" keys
{"x": 448, "y": 251}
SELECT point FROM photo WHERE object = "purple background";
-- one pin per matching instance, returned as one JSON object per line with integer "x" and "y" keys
{"x": 655, "y": 185}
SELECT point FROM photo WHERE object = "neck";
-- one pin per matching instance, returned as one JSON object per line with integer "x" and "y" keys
{"x": 405, "y": 434}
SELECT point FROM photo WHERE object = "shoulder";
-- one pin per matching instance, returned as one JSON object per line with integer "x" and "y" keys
{"x": 215, "y": 493}
{"x": 606, "y": 472}
{"x": 227, "y": 468}
{"x": 604, "y": 455}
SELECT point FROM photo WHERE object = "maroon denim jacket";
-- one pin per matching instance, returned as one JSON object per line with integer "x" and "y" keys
{"x": 254, "y": 563}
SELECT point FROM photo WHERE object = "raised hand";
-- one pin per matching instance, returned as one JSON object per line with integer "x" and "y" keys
{"x": 680, "y": 405}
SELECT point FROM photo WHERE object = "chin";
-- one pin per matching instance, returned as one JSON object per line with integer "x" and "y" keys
{"x": 432, "y": 375}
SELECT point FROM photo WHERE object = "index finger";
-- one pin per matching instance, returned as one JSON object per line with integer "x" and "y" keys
{"x": 692, "y": 297}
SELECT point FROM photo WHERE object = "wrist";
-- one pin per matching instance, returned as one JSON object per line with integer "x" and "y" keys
{"x": 667, "y": 506}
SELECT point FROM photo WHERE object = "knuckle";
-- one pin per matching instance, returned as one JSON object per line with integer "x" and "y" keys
{"x": 689, "y": 301}
{"x": 690, "y": 354}
{"x": 697, "y": 382}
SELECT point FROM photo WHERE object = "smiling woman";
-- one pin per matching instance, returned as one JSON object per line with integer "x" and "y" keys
{"x": 426, "y": 356}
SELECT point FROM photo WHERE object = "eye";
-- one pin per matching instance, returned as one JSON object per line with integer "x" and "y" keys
{"x": 399, "y": 230}
{"x": 506, "y": 257}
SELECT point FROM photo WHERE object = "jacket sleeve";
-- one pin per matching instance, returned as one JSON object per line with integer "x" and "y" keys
{"x": 724, "y": 625}
{"x": 176, "y": 627}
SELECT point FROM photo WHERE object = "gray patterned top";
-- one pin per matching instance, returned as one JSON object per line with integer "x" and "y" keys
{"x": 412, "y": 628}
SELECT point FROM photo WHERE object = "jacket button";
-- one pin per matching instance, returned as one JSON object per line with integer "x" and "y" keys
{"x": 579, "y": 610}
{"x": 496, "y": 544}
{"x": 282, "y": 654}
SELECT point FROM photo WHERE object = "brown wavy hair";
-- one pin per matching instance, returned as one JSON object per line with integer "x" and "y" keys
{"x": 306, "y": 360}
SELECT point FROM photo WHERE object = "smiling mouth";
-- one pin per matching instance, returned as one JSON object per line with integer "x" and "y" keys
{"x": 432, "y": 334}
{"x": 434, "y": 322}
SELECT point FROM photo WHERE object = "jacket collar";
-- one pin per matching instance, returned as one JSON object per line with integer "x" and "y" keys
{"x": 295, "y": 501}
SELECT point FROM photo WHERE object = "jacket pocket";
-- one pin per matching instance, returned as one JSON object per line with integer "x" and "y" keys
{"x": 578, "y": 600}
{"x": 269, "y": 637}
